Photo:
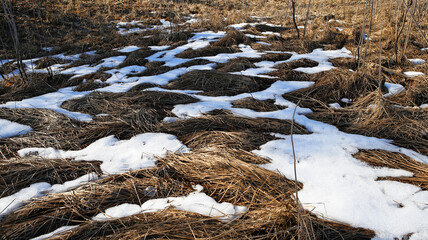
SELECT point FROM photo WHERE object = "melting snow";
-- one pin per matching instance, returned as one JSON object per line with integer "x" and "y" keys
{"x": 197, "y": 202}
{"x": 118, "y": 155}
{"x": 417, "y": 61}
{"x": 413, "y": 74}
{"x": 10, "y": 129}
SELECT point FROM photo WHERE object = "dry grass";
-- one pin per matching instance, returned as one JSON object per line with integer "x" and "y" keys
{"x": 271, "y": 213}
{"x": 380, "y": 118}
{"x": 331, "y": 86}
{"x": 17, "y": 173}
{"x": 16, "y": 88}
{"x": 221, "y": 160}
{"x": 381, "y": 158}
{"x": 217, "y": 83}
{"x": 257, "y": 105}
{"x": 229, "y": 123}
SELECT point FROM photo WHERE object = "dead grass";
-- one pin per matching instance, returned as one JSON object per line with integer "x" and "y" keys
{"x": 331, "y": 86}
{"x": 49, "y": 61}
{"x": 257, "y": 105}
{"x": 206, "y": 51}
{"x": 415, "y": 95}
{"x": 45, "y": 214}
{"x": 271, "y": 213}
{"x": 232, "y": 39}
{"x": 238, "y": 140}
{"x": 229, "y": 123}
{"x": 304, "y": 62}
{"x": 380, "y": 118}
{"x": 236, "y": 65}
{"x": 17, "y": 173}
{"x": 16, "y": 88}
{"x": 216, "y": 83}
{"x": 117, "y": 104}
{"x": 382, "y": 158}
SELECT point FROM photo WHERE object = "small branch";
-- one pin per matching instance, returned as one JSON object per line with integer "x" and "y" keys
{"x": 306, "y": 20}
{"x": 293, "y": 5}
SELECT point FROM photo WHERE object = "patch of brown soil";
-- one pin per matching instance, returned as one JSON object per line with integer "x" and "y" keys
{"x": 347, "y": 63}
{"x": 269, "y": 28}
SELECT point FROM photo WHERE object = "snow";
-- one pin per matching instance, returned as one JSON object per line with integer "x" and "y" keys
{"x": 158, "y": 48}
{"x": 52, "y": 101}
{"x": 196, "y": 202}
{"x": 413, "y": 74}
{"x": 417, "y": 61}
{"x": 346, "y": 100}
{"x": 12, "y": 202}
{"x": 335, "y": 105}
{"x": 54, "y": 233}
{"x": 128, "y": 49}
{"x": 10, "y": 129}
{"x": 136, "y": 153}
{"x": 393, "y": 88}
{"x": 354, "y": 196}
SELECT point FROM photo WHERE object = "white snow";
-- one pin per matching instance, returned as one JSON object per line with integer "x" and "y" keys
{"x": 128, "y": 49}
{"x": 393, "y": 88}
{"x": 197, "y": 202}
{"x": 136, "y": 153}
{"x": 413, "y": 74}
{"x": 335, "y": 105}
{"x": 54, "y": 233}
{"x": 339, "y": 187}
{"x": 158, "y": 48}
{"x": 10, "y": 129}
{"x": 52, "y": 101}
{"x": 417, "y": 61}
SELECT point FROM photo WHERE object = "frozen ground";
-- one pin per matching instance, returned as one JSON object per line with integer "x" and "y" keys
{"x": 336, "y": 185}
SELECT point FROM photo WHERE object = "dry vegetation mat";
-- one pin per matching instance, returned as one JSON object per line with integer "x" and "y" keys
{"x": 213, "y": 119}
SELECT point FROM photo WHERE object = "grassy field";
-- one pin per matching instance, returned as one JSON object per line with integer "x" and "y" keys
{"x": 229, "y": 83}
